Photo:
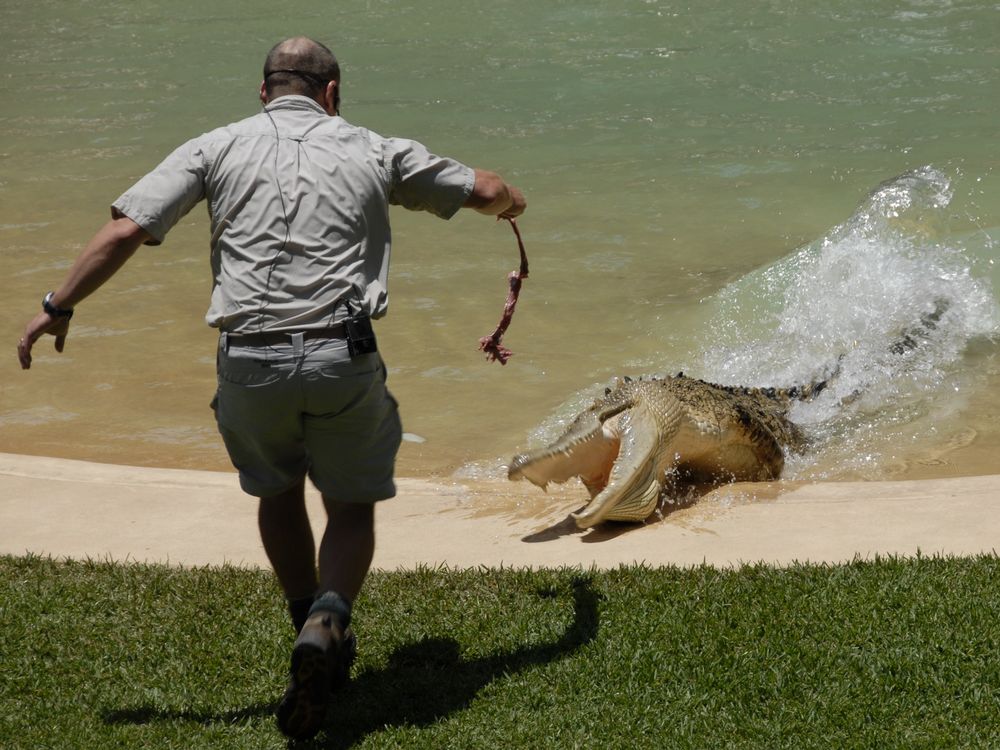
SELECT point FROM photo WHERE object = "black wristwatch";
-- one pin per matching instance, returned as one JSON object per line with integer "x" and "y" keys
{"x": 55, "y": 312}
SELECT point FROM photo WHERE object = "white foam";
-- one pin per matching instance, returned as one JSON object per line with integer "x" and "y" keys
{"x": 887, "y": 301}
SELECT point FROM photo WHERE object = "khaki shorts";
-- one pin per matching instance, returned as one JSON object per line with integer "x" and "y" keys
{"x": 287, "y": 412}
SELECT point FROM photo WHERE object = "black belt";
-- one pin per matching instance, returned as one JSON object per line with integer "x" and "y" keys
{"x": 277, "y": 338}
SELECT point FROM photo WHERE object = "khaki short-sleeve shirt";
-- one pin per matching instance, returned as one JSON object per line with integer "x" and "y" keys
{"x": 299, "y": 207}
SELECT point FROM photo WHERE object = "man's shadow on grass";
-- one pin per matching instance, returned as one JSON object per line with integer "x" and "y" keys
{"x": 428, "y": 680}
{"x": 423, "y": 682}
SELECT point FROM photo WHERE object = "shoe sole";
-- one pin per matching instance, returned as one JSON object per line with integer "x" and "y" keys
{"x": 303, "y": 708}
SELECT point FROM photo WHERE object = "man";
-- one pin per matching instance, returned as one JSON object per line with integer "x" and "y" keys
{"x": 298, "y": 200}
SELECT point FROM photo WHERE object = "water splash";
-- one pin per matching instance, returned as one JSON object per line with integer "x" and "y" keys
{"x": 888, "y": 300}
{"x": 887, "y": 305}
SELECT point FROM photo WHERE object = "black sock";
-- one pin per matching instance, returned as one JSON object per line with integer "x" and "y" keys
{"x": 299, "y": 610}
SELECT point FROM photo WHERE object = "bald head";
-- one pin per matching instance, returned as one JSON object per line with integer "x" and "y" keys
{"x": 299, "y": 66}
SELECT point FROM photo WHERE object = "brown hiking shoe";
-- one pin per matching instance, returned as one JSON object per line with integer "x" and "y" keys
{"x": 344, "y": 662}
{"x": 321, "y": 661}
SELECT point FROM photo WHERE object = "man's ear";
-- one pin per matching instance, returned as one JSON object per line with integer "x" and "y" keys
{"x": 263, "y": 93}
{"x": 331, "y": 97}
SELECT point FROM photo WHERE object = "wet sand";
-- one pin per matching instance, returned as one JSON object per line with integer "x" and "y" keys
{"x": 77, "y": 509}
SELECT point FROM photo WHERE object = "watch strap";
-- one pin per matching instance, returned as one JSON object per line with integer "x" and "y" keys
{"x": 55, "y": 312}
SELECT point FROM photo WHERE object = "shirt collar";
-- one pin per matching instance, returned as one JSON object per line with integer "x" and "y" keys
{"x": 296, "y": 102}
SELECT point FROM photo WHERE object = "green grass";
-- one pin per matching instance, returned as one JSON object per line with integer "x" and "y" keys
{"x": 884, "y": 654}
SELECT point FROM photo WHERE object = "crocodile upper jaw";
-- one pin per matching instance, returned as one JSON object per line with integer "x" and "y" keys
{"x": 590, "y": 458}
{"x": 618, "y": 463}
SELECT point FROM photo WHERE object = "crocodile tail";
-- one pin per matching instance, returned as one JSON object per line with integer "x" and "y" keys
{"x": 811, "y": 390}
{"x": 912, "y": 337}
{"x": 909, "y": 339}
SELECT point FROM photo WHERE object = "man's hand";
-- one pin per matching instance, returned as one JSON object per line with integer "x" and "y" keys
{"x": 494, "y": 197}
{"x": 517, "y": 206}
{"x": 40, "y": 325}
{"x": 108, "y": 251}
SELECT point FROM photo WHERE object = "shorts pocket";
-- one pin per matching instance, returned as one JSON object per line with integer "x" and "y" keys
{"x": 247, "y": 372}
{"x": 357, "y": 367}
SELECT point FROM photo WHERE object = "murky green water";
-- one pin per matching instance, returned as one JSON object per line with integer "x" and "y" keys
{"x": 687, "y": 166}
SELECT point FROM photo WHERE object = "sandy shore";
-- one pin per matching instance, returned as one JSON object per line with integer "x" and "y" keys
{"x": 79, "y": 509}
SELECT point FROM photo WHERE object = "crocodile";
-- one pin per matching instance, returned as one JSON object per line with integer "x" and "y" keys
{"x": 641, "y": 432}
{"x": 627, "y": 443}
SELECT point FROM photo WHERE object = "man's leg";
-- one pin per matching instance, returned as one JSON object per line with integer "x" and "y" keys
{"x": 352, "y": 432}
{"x": 348, "y": 544}
{"x": 289, "y": 544}
{"x": 325, "y": 648}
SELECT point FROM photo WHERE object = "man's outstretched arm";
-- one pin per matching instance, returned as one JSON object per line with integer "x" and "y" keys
{"x": 494, "y": 197}
{"x": 107, "y": 252}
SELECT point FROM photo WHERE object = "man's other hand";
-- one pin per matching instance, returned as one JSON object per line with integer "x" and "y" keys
{"x": 41, "y": 324}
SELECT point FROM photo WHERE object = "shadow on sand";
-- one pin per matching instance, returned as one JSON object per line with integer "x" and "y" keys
{"x": 678, "y": 498}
